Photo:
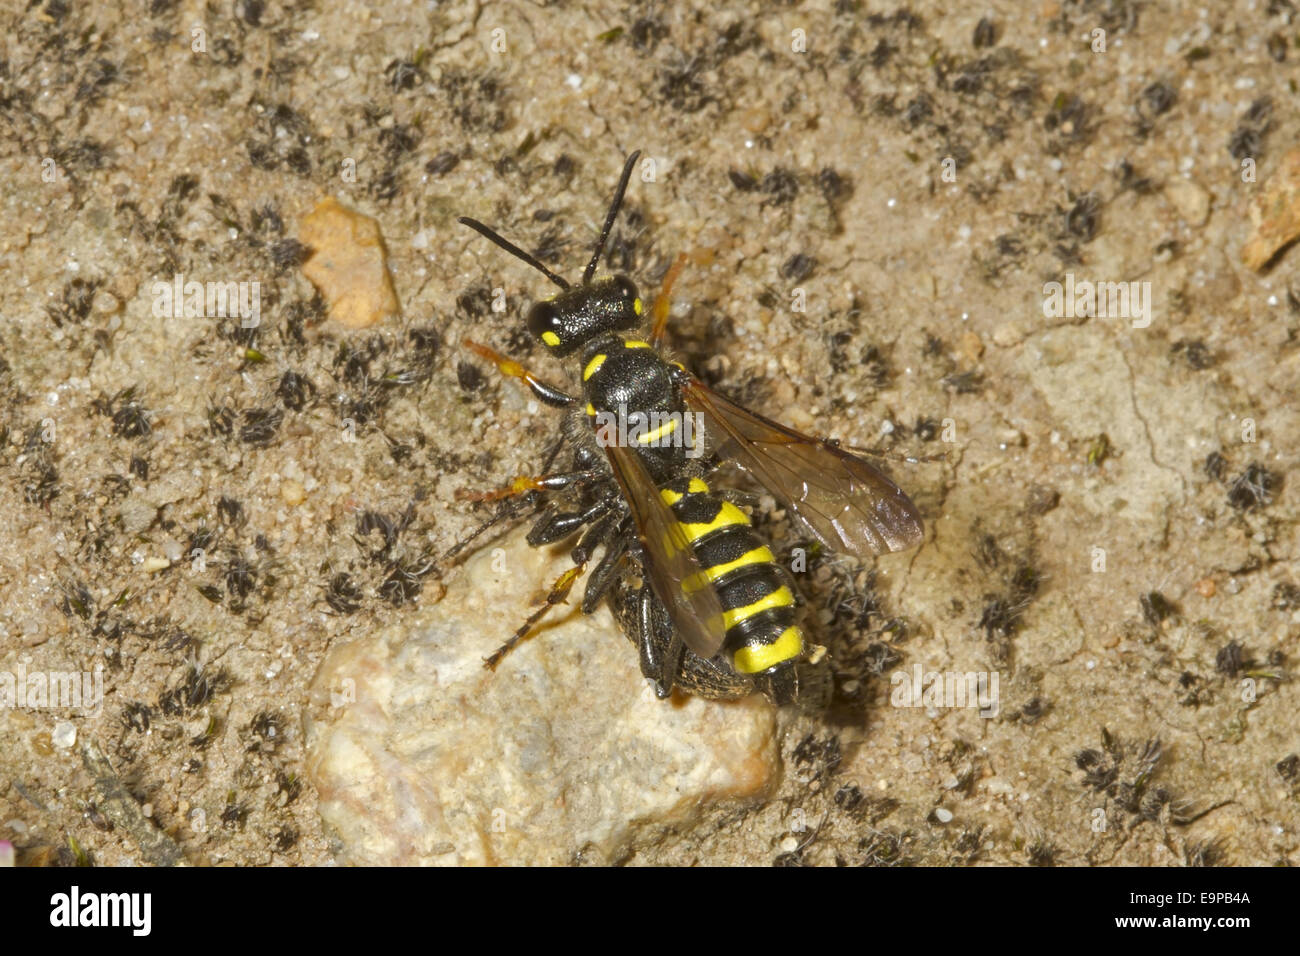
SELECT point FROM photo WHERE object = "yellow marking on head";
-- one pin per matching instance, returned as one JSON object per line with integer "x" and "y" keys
{"x": 727, "y": 515}
{"x": 635, "y": 344}
{"x": 697, "y": 487}
{"x": 759, "y": 657}
{"x": 760, "y": 555}
{"x": 667, "y": 428}
{"x": 781, "y": 597}
{"x": 591, "y": 410}
{"x": 637, "y": 307}
{"x": 550, "y": 338}
{"x": 594, "y": 365}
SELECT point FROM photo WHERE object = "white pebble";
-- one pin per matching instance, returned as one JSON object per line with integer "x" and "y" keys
{"x": 942, "y": 815}
{"x": 64, "y": 736}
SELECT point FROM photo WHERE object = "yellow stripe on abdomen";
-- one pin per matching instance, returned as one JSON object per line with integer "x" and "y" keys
{"x": 760, "y": 555}
{"x": 670, "y": 497}
{"x": 759, "y": 657}
{"x": 781, "y": 597}
{"x": 728, "y": 515}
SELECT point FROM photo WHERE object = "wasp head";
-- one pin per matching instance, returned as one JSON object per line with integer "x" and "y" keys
{"x": 565, "y": 322}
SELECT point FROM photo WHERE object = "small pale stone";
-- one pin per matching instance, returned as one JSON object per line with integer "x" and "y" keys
{"x": 926, "y": 285}
{"x": 64, "y": 735}
{"x": 348, "y": 264}
{"x": 106, "y": 303}
{"x": 1190, "y": 200}
{"x": 1275, "y": 214}
{"x": 137, "y": 514}
{"x": 942, "y": 815}
{"x": 1008, "y": 334}
{"x": 755, "y": 119}
{"x": 154, "y": 565}
{"x": 421, "y": 755}
{"x": 292, "y": 492}
{"x": 970, "y": 347}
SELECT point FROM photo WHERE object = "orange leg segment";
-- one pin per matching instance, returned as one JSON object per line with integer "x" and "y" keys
{"x": 509, "y": 367}
{"x": 526, "y": 483}
{"x": 663, "y": 302}
{"x": 559, "y": 595}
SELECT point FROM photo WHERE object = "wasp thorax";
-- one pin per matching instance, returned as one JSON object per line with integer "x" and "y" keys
{"x": 578, "y": 315}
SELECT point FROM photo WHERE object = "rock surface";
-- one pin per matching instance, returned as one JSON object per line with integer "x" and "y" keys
{"x": 422, "y": 756}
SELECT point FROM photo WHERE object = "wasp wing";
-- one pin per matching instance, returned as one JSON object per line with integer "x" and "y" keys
{"x": 670, "y": 562}
{"x": 844, "y": 502}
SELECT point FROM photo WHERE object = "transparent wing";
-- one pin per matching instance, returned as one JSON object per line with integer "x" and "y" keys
{"x": 845, "y": 503}
{"x": 671, "y": 564}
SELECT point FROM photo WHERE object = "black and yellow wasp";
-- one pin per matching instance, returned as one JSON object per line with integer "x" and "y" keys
{"x": 695, "y": 588}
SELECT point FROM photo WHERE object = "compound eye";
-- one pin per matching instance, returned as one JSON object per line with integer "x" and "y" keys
{"x": 627, "y": 294}
{"x": 544, "y": 323}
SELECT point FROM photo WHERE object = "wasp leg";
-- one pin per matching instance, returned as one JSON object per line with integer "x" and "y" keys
{"x": 556, "y": 448}
{"x": 558, "y": 595}
{"x": 598, "y": 534}
{"x": 526, "y": 483}
{"x": 663, "y": 302}
{"x": 510, "y": 512}
{"x": 547, "y": 394}
{"x": 604, "y": 574}
{"x": 661, "y": 660}
{"x": 556, "y": 526}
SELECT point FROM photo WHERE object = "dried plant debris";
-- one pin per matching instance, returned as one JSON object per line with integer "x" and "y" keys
{"x": 118, "y": 806}
{"x": 1125, "y": 774}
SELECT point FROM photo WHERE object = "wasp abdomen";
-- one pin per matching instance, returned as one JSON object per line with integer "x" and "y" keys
{"x": 757, "y": 603}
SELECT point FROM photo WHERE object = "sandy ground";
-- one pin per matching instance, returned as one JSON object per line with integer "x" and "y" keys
{"x": 1112, "y": 528}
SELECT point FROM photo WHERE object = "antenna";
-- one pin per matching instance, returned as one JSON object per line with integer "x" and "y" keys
{"x": 518, "y": 253}
{"x": 609, "y": 219}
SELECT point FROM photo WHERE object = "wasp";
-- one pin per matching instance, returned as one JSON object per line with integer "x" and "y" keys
{"x": 693, "y": 585}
